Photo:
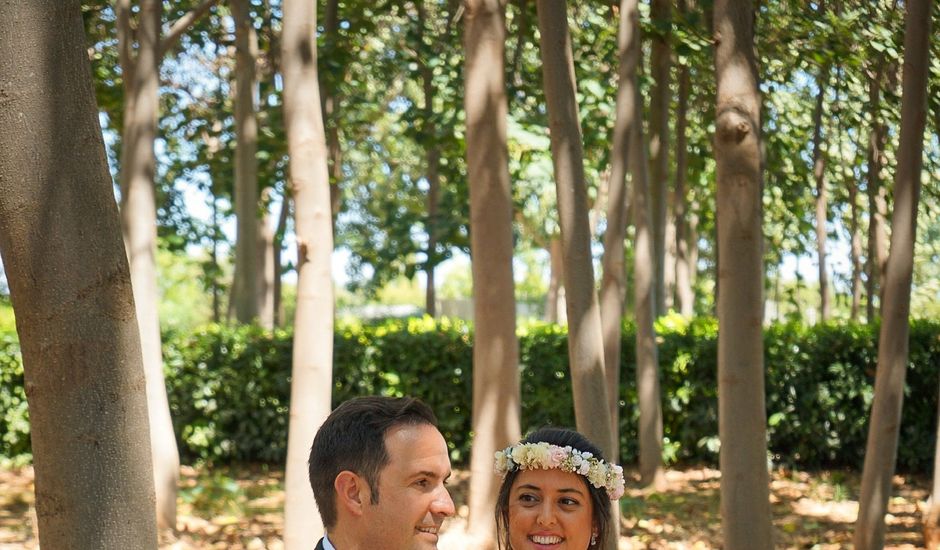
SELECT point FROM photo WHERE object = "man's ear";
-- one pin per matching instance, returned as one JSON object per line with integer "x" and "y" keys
{"x": 352, "y": 492}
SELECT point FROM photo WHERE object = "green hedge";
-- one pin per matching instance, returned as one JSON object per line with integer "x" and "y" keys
{"x": 229, "y": 387}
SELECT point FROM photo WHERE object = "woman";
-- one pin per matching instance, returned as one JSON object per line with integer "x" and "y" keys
{"x": 556, "y": 492}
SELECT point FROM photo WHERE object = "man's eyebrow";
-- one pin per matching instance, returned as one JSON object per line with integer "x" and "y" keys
{"x": 429, "y": 473}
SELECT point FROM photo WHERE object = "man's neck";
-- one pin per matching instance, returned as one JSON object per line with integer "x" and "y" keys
{"x": 341, "y": 540}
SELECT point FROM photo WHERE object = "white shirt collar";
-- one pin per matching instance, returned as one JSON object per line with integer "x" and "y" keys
{"x": 327, "y": 545}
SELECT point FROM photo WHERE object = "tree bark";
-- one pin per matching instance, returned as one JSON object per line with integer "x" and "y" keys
{"x": 433, "y": 155}
{"x": 877, "y": 197}
{"x": 745, "y": 505}
{"x": 685, "y": 269}
{"x": 266, "y": 266}
{"x": 660, "y": 95}
{"x": 312, "y": 369}
{"x": 932, "y": 514}
{"x": 245, "y": 291}
{"x": 556, "y": 289}
{"x": 70, "y": 286}
{"x": 139, "y": 225}
{"x": 881, "y": 448}
{"x": 585, "y": 341}
{"x": 496, "y": 400}
{"x": 819, "y": 175}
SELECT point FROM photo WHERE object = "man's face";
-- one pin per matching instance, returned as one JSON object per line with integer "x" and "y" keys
{"x": 413, "y": 500}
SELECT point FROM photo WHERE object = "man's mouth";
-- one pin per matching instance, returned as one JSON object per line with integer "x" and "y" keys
{"x": 546, "y": 539}
{"x": 430, "y": 530}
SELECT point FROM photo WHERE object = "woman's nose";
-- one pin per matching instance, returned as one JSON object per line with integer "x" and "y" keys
{"x": 546, "y": 514}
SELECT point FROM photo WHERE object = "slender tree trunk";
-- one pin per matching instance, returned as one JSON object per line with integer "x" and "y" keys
{"x": 267, "y": 268}
{"x": 856, "y": 248}
{"x": 660, "y": 95}
{"x": 745, "y": 504}
{"x": 819, "y": 174}
{"x": 647, "y": 362}
{"x": 278, "y": 263}
{"x": 881, "y": 449}
{"x": 70, "y": 285}
{"x": 932, "y": 515}
{"x": 684, "y": 267}
{"x": 585, "y": 341}
{"x": 496, "y": 401}
{"x": 312, "y": 369}
{"x": 877, "y": 197}
{"x": 556, "y": 290}
{"x": 433, "y": 169}
{"x": 613, "y": 282}
{"x": 139, "y": 224}
{"x": 329, "y": 99}
{"x": 245, "y": 291}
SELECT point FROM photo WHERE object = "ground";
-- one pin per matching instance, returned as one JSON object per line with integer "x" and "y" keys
{"x": 240, "y": 510}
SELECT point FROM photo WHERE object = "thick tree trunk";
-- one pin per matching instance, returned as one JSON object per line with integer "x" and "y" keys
{"x": 496, "y": 401}
{"x": 139, "y": 224}
{"x": 745, "y": 505}
{"x": 685, "y": 269}
{"x": 882, "y": 445}
{"x": 312, "y": 369}
{"x": 932, "y": 514}
{"x": 660, "y": 95}
{"x": 245, "y": 284}
{"x": 70, "y": 285}
{"x": 585, "y": 341}
{"x": 877, "y": 199}
{"x": 822, "y": 208}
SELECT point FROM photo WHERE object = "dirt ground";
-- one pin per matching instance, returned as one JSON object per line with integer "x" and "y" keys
{"x": 240, "y": 510}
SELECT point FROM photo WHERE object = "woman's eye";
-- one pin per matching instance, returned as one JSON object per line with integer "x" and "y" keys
{"x": 527, "y": 498}
{"x": 569, "y": 502}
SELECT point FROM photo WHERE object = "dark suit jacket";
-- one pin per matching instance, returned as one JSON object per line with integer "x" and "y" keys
{"x": 319, "y": 545}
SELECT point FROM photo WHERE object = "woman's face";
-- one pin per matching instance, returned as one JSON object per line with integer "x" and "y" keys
{"x": 550, "y": 510}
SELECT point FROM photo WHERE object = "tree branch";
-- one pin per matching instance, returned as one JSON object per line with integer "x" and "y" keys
{"x": 183, "y": 23}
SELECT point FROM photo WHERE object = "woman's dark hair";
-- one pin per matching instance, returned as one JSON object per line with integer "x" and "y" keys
{"x": 561, "y": 437}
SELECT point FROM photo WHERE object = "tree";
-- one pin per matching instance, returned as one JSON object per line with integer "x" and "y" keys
{"x": 660, "y": 96}
{"x": 881, "y": 448}
{"x": 496, "y": 406}
{"x": 141, "y": 74}
{"x": 819, "y": 174}
{"x": 585, "y": 341}
{"x": 685, "y": 264}
{"x": 644, "y": 285}
{"x": 745, "y": 504}
{"x": 312, "y": 370}
{"x": 245, "y": 294}
{"x": 71, "y": 289}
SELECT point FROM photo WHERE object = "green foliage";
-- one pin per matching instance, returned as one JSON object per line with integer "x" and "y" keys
{"x": 229, "y": 387}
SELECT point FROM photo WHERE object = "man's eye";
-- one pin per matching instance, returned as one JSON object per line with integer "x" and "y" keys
{"x": 422, "y": 483}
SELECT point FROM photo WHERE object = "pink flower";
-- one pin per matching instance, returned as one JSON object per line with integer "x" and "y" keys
{"x": 556, "y": 455}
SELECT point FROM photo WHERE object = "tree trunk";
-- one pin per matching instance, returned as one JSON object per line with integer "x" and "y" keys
{"x": 267, "y": 268}
{"x": 745, "y": 505}
{"x": 819, "y": 174}
{"x": 556, "y": 290}
{"x": 496, "y": 400}
{"x": 433, "y": 170}
{"x": 877, "y": 197}
{"x": 71, "y": 290}
{"x": 329, "y": 101}
{"x": 245, "y": 291}
{"x": 932, "y": 515}
{"x": 882, "y": 445}
{"x": 312, "y": 369}
{"x": 660, "y": 95}
{"x": 684, "y": 266}
{"x": 613, "y": 282}
{"x": 278, "y": 263}
{"x": 139, "y": 224}
{"x": 585, "y": 341}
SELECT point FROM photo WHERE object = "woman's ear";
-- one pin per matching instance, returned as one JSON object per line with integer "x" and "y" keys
{"x": 351, "y": 492}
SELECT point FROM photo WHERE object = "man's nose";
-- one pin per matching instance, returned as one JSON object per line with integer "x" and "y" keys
{"x": 443, "y": 505}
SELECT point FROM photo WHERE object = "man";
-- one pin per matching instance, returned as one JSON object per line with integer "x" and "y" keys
{"x": 378, "y": 466}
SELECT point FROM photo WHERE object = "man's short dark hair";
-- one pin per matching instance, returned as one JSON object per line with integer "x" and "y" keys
{"x": 353, "y": 438}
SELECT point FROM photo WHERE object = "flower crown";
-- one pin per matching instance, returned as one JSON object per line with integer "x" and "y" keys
{"x": 545, "y": 456}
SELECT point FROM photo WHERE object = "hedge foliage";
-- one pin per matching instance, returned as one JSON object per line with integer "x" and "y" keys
{"x": 229, "y": 387}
